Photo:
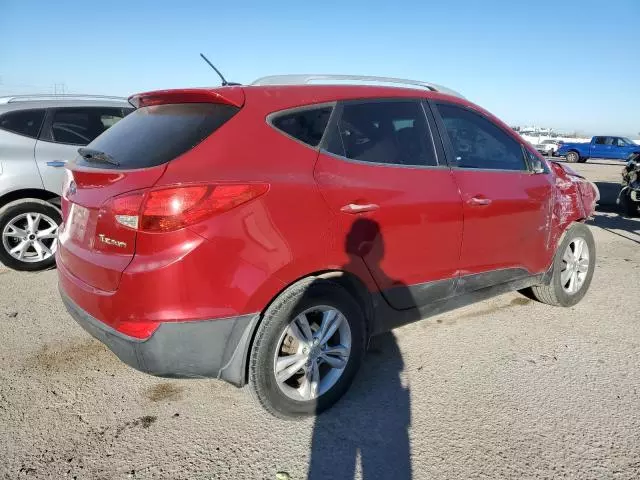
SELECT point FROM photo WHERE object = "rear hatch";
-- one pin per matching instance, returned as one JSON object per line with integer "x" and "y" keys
{"x": 108, "y": 181}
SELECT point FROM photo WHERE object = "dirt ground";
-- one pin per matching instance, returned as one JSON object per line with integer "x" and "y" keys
{"x": 508, "y": 388}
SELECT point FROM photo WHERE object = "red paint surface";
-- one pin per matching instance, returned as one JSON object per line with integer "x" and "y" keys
{"x": 236, "y": 262}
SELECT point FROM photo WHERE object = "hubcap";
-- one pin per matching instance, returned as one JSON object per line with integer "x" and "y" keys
{"x": 312, "y": 353}
{"x": 575, "y": 266}
{"x": 30, "y": 237}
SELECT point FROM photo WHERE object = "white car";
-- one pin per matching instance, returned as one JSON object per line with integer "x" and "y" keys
{"x": 548, "y": 147}
{"x": 39, "y": 134}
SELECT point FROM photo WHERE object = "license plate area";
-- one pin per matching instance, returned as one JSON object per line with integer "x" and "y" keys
{"x": 77, "y": 222}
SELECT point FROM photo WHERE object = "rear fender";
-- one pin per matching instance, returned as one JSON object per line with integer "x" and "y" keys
{"x": 304, "y": 267}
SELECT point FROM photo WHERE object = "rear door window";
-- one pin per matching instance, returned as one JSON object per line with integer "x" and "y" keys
{"x": 80, "y": 126}
{"x": 154, "y": 135}
{"x": 384, "y": 132}
{"x": 306, "y": 125}
{"x": 479, "y": 143}
{"x": 23, "y": 122}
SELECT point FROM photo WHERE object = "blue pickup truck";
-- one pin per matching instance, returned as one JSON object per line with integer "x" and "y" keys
{"x": 617, "y": 148}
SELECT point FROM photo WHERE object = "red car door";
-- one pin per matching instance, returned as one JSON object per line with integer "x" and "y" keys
{"x": 397, "y": 208}
{"x": 507, "y": 206}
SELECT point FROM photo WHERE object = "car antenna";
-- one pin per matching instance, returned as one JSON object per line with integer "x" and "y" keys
{"x": 224, "y": 81}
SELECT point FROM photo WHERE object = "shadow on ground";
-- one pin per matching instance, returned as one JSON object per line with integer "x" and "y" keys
{"x": 608, "y": 213}
{"x": 370, "y": 423}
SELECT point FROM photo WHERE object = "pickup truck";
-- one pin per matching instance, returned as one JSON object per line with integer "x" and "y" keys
{"x": 617, "y": 148}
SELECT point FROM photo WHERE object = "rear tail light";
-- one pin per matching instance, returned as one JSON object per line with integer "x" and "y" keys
{"x": 172, "y": 208}
{"x": 126, "y": 209}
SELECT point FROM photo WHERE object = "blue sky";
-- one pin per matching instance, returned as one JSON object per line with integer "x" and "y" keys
{"x": 567, "y": 64}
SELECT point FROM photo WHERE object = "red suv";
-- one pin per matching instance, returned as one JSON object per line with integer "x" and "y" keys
{"x": 262, "y": 234}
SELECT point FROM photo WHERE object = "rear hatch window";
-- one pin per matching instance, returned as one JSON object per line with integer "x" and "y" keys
{"x": 130, "y": 156}
{"x": 153, "y": 135}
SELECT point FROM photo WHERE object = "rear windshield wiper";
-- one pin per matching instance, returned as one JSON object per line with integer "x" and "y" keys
{"x": 91, "y": 155}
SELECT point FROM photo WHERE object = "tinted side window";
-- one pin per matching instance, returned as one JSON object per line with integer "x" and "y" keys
{"x": 305, "y": 125}
{"x": 24, "y": 122}
{"x": 600, "y": 140}
{"x": 79, "y": 126}
{"x": 392, "y": 132}
{"x": 478, "y": 142}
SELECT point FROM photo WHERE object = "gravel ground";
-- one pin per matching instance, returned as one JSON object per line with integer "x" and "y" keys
{"x": 508, "y": 388}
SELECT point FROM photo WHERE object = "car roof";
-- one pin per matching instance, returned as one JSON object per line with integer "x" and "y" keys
{"x": 327, "y": 79}
{"x": 21, "y": 102}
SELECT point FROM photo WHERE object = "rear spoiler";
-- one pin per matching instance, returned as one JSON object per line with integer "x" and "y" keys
{"x": 233, "y": 96}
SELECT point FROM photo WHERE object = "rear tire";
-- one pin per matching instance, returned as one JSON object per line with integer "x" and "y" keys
{"x": 559, "y": 292}
{"x": 29, "y": 222}
{"x": 573, "y": 157}
{"x": 275, "y": 342}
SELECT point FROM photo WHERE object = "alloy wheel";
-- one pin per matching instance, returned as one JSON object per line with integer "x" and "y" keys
{"x": 312, "y": 353}
{"x": 575, "y": 265}
{"x": 30, "y": 237}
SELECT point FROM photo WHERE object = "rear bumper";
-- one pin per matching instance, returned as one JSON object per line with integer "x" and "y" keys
{"x": 196, "y": 349}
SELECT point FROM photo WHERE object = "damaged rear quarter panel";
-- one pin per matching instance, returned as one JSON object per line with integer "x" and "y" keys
{"x": 574, "y": 199}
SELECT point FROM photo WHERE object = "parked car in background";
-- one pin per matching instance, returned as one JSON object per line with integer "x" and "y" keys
{"x": 616, "y": 148}
{"x": 38, "y": 135}
{"x": 192, "y": 252}
{"x": 548, "y": 147}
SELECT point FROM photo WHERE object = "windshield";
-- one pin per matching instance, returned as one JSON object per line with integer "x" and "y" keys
{"x": 627, "y": 141}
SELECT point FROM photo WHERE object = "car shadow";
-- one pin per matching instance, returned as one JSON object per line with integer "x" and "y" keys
{"x": 608, "y": 195}
{"x": 608, "y": 213}
{"x": 371, "y": 422}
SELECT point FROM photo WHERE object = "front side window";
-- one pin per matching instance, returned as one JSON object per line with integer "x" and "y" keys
{"x": 23, "y": 122}
{"x": 479, "y": 143}
{"x": 387, "y": 132}
{"x": 80, "y": 126}
{"x": 308, "y": 126}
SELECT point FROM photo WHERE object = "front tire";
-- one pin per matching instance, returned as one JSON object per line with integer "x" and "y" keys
{"x": 573, "y": 157}
{"x": 307, "y": 349}
{"x": 28, "y": 234}
{"x": 572, "y": 271}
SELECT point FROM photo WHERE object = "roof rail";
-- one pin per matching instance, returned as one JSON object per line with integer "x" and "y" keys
{"x": 36, "y": 97}
{"x": 301, "y": 79}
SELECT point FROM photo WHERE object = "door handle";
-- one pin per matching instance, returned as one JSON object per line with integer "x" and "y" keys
{"x": 479, "y": 201}
{"x": 359, "y": 208}
{"x": 56, "y": 163}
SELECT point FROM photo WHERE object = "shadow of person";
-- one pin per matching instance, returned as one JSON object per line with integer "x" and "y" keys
{"x": 365, "y": 435}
